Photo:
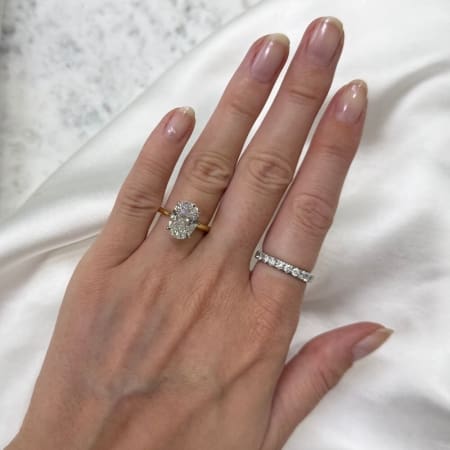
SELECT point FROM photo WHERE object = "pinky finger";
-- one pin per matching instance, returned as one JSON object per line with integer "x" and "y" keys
{"x": 142, "y": 192}
{"x": 307, "y": 212}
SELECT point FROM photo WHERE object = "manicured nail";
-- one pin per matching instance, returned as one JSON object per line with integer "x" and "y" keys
{"x": 270, "y": 57}
{"x": 370, "y": 343}
{"x": 180, "y": 122}
{"x": 352, "y": 102}
{"x": 325, "y": 40}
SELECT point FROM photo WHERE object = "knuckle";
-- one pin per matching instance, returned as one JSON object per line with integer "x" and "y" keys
{"x": 209, "y": 172}
{"x": 135, "y": 201}
{"x": 268, "y": 172}
{"x": 312, "y": 214}
{"x": 148, "y": 167}
{"x": 304, "y": 94}
{"x": 137, "y": 196}
{"x": 242, "y": 104}
{"x": 325, "y": 377}
{"x": 335, "y": 151}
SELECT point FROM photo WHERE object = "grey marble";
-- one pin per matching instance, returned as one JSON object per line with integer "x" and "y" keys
{"x": 67, "y": 67}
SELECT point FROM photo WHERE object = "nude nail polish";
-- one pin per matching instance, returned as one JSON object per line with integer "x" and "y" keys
{"x": 371, "y": 342}
{"x": 352, "y": 102}
{"x": 270, "y": 57}
{"x": 325, "y": 41}
{"x": 179, "y": 123}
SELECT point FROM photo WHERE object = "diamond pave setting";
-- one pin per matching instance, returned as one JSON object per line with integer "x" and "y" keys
{"x": 183, "y": 220}
{"x": 283, "y": 266}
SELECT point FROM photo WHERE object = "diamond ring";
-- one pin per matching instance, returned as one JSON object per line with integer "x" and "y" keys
{"x": 283, "y": 266}
{"x": 183, "y": 220}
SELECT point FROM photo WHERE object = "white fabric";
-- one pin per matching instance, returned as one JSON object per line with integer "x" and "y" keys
{"x": 389, "y": 242}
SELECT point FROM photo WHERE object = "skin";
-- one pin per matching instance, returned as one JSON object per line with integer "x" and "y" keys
{"x": 175, "y": 344}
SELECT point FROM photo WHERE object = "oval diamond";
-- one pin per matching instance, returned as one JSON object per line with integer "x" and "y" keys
{"x": 183, "y": 220}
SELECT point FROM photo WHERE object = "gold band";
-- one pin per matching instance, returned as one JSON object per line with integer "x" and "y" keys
{"x": 200, "y": 226}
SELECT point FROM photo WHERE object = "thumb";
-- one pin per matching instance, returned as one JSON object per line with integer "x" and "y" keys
{"x": 313, "y": 371}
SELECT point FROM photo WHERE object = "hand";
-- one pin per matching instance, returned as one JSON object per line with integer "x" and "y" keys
{"x": 165, "y": 344}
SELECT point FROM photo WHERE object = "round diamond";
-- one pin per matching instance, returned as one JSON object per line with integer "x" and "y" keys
{"x": 287, "y": 268}
{"x": 295, "y": 272}
{"x": 307, "y": 276}
{"x": 183, "y": 220}
{"x": 304, "y": 276}
{"x": 271, "y": 260}
{"x": 279, "y": 264}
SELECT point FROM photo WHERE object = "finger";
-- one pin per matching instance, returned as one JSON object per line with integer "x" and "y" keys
{"x": 143, "y": 189}
{"x": 307, "y": 211}
{"x": 267, "y": 167}
{"x": 316, "y": 369}
{"x": 209, "y": 166}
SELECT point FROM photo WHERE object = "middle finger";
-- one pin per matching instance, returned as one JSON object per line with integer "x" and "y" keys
{"x": 268, "y": 165}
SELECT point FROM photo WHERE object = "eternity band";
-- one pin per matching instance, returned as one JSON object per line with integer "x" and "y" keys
{"x": 283, "y": 266}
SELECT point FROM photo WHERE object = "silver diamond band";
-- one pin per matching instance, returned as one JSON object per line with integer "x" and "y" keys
{"x": 283, "y": 266}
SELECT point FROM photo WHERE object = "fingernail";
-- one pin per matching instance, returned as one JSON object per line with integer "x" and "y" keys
{"x": 269, "y": 58}
{"x": 180, "y": 122}
{"x": 325, "y": 41}
{"x": 352, "y": 102}
{"x": 370, "y": 343}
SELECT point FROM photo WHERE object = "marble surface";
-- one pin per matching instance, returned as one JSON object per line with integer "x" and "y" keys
{"x": 67, "y": 68}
